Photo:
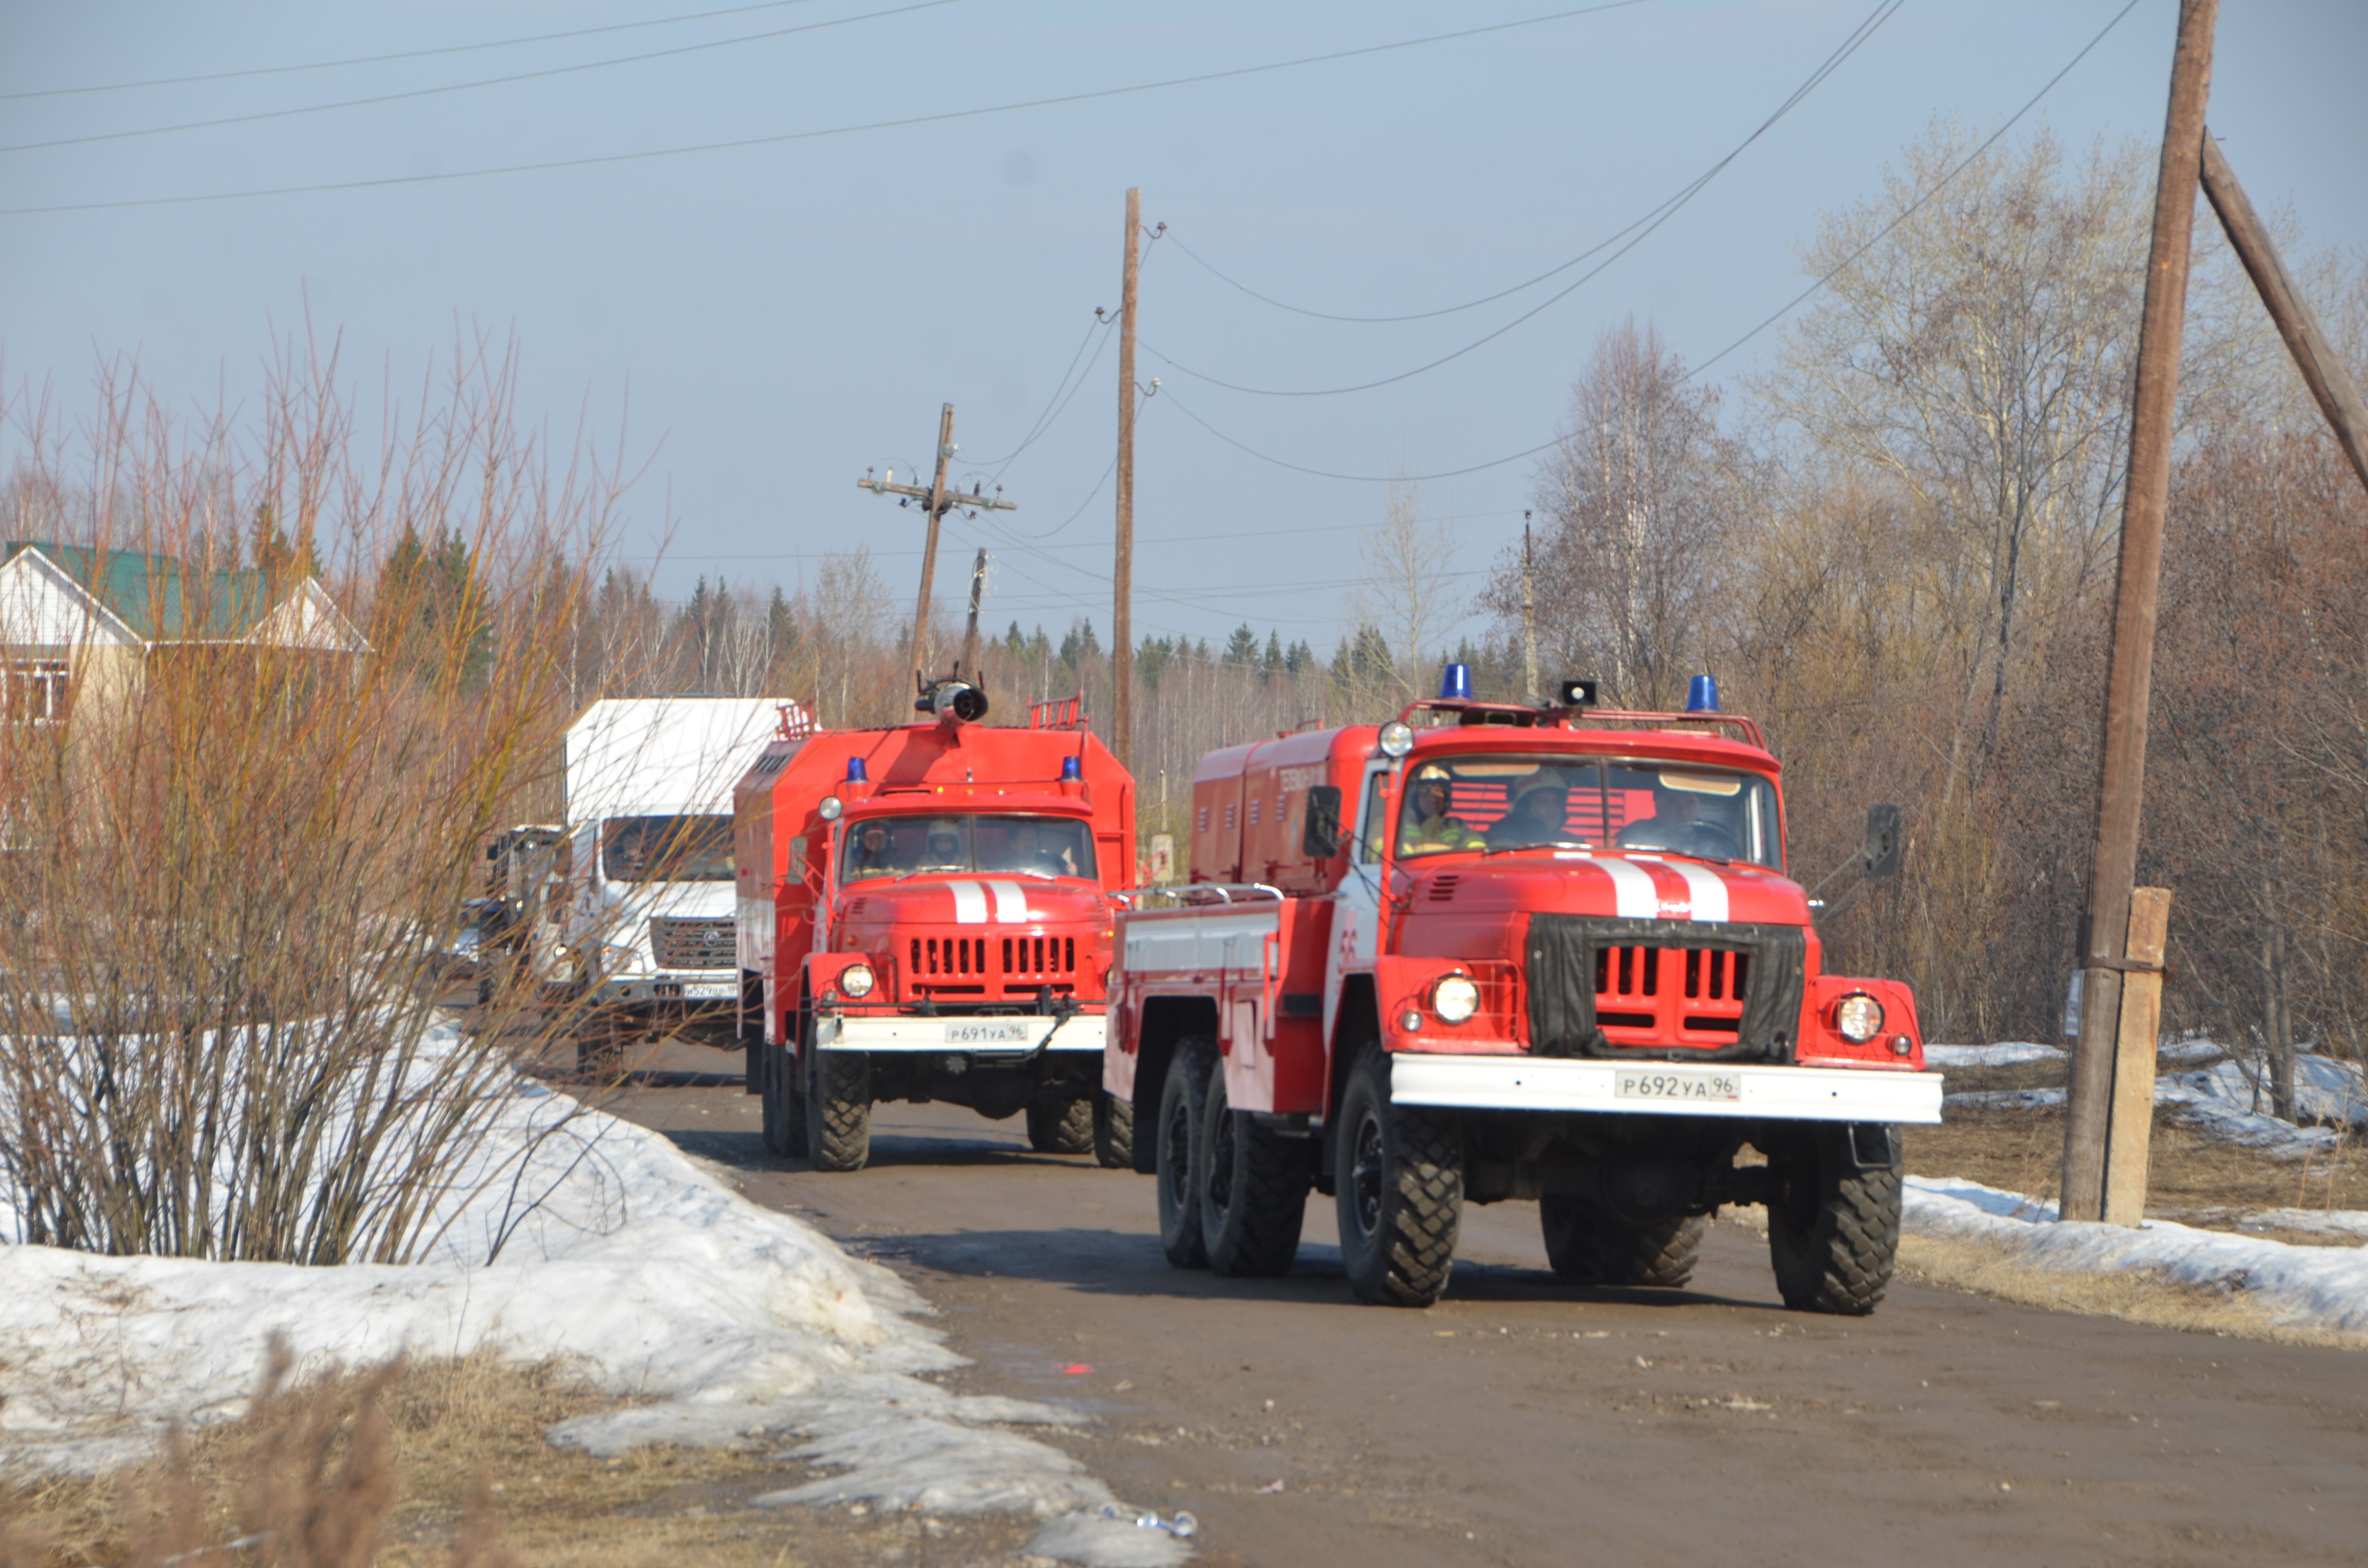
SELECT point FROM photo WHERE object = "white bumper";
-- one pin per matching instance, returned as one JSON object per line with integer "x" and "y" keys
{"x": 999, "y": 1036}
{"x": 1780, "y": 1093}
{"x": 703, "y": 986}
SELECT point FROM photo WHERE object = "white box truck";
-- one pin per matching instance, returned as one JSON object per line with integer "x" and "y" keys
{"x": 640, "y": 930}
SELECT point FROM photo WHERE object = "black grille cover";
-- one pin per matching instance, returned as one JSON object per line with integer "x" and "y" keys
{"x": 1562, "y": 950}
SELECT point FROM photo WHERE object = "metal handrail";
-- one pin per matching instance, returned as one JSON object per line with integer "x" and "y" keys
{"x": 1189, "y": 894}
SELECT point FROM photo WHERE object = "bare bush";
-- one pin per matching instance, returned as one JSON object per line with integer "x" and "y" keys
{"x": 233, "y": 868}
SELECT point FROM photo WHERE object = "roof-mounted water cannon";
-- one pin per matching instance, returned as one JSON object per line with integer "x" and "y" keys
{"x": 954, "y": 702}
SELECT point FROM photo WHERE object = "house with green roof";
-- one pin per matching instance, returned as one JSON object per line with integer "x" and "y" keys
{"x": 76, "y": 620}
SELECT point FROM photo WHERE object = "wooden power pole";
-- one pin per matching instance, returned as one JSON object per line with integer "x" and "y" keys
{"x": 2105, "y": 957}
{"x": 937, "y": 500}
{"x": 2322, "y": 369}
{"x": 969, "y": 670}
{"x": 1122, "y": 736}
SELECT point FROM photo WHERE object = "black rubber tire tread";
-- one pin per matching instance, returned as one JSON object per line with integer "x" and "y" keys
{"x": 1588, "y": 1247}
{"x": 1836, "y": 1256}
{"x": 1406, "y": 1258}
{"x": 1263, "y": 1179}
{"x": 839, "y": 1111}
{"x": 1113, "y": 1132}
{"x": 1182, "y": 1098}
{"x": 1063, "y": 1129}
{"x": 785, "y": 1111}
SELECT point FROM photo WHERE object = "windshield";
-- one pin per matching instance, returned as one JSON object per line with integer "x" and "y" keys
{"x": 1536, "y": 802}
{"x": 666, "y": 849}
{"x": 896, "y": 847}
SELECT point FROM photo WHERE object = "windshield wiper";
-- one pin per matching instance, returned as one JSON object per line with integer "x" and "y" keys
{"x": 1555, "y": 844}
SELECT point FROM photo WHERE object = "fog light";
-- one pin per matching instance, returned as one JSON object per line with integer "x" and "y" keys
{"x": 856, "y": 981}
{"x": 1410, "y": 1021}
{"x": 1454, "y": 998}
{"x": 1901, "y": 1045}
{"x": 1859, "y": 1017}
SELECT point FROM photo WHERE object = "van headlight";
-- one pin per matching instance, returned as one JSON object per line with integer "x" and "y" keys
{"x": 1859, "y": 1017}
{"x": 855, "y": 982}
{"x": 1454, "y": 998}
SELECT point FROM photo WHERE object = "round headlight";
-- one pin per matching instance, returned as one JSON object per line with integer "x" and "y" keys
{"x": 856, "y": 981}
{"x": 1860, "y": 1018}
{"x": 1454, "y": 998}
{"x": 830, "y": 808}
{"x": 1397, "y": 738}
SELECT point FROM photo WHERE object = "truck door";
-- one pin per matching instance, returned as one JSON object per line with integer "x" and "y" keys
{"x": 1356, "y": 917}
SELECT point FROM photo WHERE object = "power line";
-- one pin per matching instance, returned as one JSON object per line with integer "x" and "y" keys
{"x": 1912, "y": 209}
{"x": 1785, "y": 309}
{"x": 403, "y": 54}
{"x": 1640, "y": 230}
{"x": 943, "y": 116}
{"x": 1880, "y": 15}
{"x": 470, "y": 86}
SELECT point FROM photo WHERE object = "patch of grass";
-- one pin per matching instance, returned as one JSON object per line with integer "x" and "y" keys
{"x": 443, "y": 1462}
{"x": 2192, "y": 1178}
{"x": 1966, "y": 1263}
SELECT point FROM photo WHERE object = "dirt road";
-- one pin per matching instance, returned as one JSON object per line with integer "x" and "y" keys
{"x": 1525, "y": 1422}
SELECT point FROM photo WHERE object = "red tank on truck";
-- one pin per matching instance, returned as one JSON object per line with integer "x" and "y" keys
{"x": 1489, "y": 952}
{"x": 925, "y": 913}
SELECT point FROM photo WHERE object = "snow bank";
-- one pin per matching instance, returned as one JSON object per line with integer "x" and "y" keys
{"x": 729, "y": 1324}
{"x": 2300, "y": 1286}
{"x": 2006, "y": 1053}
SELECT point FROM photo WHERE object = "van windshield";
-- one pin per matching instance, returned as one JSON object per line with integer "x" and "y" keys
{"x": 1571, "y": 803}
{"x": 896, "y": 847}
{"x": 666, "y": 849}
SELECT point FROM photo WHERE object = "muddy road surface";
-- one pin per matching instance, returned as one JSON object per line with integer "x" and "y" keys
{"x": 1525, "y": 1422}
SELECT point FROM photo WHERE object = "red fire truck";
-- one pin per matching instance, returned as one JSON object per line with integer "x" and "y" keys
{"x": 924, "y": 913}
{"x": 1489, "y": 952}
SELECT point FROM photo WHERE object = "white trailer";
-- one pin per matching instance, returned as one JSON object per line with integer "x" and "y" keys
{"x": 642, "y": 921}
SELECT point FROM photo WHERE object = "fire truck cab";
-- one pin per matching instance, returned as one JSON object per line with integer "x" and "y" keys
{"x": 924, "y": 913}
{"x": 1489, "y": 952}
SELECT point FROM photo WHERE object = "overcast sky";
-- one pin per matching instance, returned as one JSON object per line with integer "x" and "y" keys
{"x": 780, "y": 316}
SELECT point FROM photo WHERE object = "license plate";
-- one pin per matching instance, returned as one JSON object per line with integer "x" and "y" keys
{"x": 999, "y": 1032}
{"x": 709, "y": 990}
{"x": 1676, "y": 1084}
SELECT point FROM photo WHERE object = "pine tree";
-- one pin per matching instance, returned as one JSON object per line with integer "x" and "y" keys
{"x": 1241, "y": 648}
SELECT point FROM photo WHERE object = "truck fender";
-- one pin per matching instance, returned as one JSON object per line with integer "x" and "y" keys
{"x": 1356, "y": 1025}
{"x": 1166, "y": 1021}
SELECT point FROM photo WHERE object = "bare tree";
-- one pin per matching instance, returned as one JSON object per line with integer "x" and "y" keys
{"x": 1405, "y": 586}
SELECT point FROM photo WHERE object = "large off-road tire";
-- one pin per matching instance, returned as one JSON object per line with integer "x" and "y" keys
{"x": 1833, "y": 1226}
{"x": 1588, "y": 1247}
{"x": 838, "y": 1095}
{"x": 1398, "y": 1174}
{"x": 1183, "y": 1101}
{"x": 1063, "y": 1129}
{"x": 1113, "y": 1132}
{"x": 785, "y": 1111}
{"x": 1253, "y": 1190}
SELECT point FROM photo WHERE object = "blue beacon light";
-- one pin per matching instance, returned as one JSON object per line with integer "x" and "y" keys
{"x": 1701, "y": 695}
{"x": 855, "y": 774}
{"x": 1072, "y": 768}
{"x": 1455, "y": 683}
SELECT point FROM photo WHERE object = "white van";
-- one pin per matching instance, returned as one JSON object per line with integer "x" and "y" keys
{"x": 641, "y": 923}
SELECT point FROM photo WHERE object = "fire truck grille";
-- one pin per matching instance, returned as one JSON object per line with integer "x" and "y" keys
{"x": 1015, "y": 961}
{"x": 1600, "y": 987}
{"x": 678, "y": 943}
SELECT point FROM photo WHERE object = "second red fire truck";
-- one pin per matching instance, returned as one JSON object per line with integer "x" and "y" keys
{"x": 1488, "y": 952}
{"x": 925, "y": 913}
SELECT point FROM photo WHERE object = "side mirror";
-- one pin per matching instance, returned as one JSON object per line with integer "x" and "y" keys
{"x": 1321, "y": 840}
{"x": 1882, "y": 845}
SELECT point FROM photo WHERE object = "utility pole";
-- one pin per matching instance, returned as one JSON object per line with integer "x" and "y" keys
{"x": 1528, "y": 618}
{"x": 2322, "y": 369}
{"x": 937, "y": 500}
{"x": 969, "y": 670}
{"x": 2104, "y": 958}
{"x": 1122, "y": 736}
